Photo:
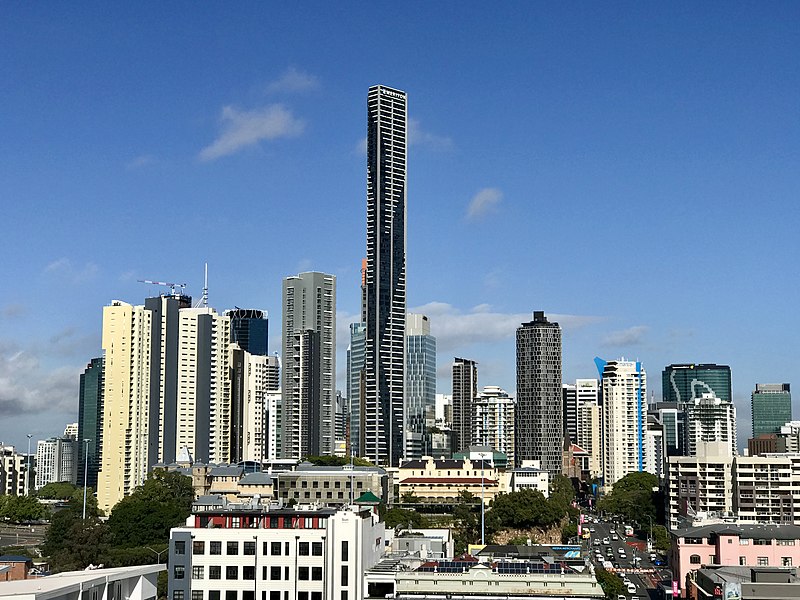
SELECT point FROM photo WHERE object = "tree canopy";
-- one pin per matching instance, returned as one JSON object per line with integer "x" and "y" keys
{"x": 21, "y": 509}
{"x": 57, "y": 490}
{"x": 525, "y": 509}
{"x": 633, "y": 498}
{"x": 337, "y": 461}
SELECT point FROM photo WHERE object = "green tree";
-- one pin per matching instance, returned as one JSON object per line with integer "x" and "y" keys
{"x": 337, "y": 461}
{"x": 633, "y": 498}
{"x": 404, "y": 518}
{"x": 57, "y": 490}
{"x": 523, "y": 510}
{"x": 611, "y": 584}
{"x": 21, "y": 509}
{"x": 146, "y": 516}
{"x": 86, "y": 543}
{"x": 466, "y": 522}
{"x": 661, "y": 539}
{"x": 409, "y": 498}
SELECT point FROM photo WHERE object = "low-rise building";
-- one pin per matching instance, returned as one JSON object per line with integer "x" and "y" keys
{"x": 331, "y": 486}
{"x": 258, "y": 551}
{"x": 729, "y": 544}
{"x": 530, "y": 476}
{"x": 743, "y": 583}
{"x": 129, "y": 583}
{"x": 442, "y": 481}
{"x": 17, "y": 567}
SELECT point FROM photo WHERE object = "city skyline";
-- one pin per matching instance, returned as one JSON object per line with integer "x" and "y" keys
{"x": 683, "y": 128}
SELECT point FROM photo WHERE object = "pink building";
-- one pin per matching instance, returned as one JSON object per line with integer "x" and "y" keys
{"x": 735, "y": 545}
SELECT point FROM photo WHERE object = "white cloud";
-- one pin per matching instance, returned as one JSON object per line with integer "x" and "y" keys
{"x": 631, "y": 336}
{"x": 418, "y": 137}
{"x": 64, "y": 269}
{"x": 243, "y": 128}
{"x": 483, "y": 202}
{"x": 361, "y": 147}
{"x": 293, "y": 81}
{"x": 138, "y": 162}
{"x": 455, "y": 329}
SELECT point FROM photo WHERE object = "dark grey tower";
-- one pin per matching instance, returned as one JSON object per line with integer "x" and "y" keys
{"x": 538, "y": 419}
{"x": 465, "y": 392}
{"x": 384, "y": 298}
{"x": 90, "y": 422}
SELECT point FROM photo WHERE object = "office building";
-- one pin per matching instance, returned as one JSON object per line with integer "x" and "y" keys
{"x": 587, "y": 397}
{"x": 710, "y": 419}
{"x": 251, "y": 551}
{"x": 384, "y": 290}
{"x": 569, "y": 400}
{"x": 249, "y": 330}
{"x": 56, "y": 461}
{"x": 90, "y": 423}
{"x": 539, "y": 422}
{"x": 356, "y": 386}
{"x": 71, "y": 431}
{"x": 681, "y": 383}
{"x": 654, "y": 447}
{"x": 672, "y": 417}
{"x": 493, "y": 421}
{"x": 309, "y": 365}
{"x": 465, "y": 390}
{"x": 622, "y": 418}
{"x": 126, "y": 344}
{"x": 772, "y": 407}
{"x": 420, "y": 384}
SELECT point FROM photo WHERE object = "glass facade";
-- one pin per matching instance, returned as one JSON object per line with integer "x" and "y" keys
{"x": 684, "y": 382}
{"x": 250, "y": 329}
{"x": 355, "y": 375}
{"x": 420, "y": 392}
{"x": 90, "y": 422}
{"x": 771, "y": 406}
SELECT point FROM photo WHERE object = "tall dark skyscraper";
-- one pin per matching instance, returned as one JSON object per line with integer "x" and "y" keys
{"x": 684, "y": 382}
{"x": 539, "y": 419}
{"x": 465, "y": 392}
{"x": 771, "y": 404}
{"x": 384, "y": 297}
{"x": 90, "y": 422}
{"x": 249, "y": 329}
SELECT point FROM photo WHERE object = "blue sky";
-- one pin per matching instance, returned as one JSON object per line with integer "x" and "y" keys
{"x": 629, "y": 167}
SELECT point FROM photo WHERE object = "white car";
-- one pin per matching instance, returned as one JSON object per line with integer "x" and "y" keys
{"x": 631, "y": 588}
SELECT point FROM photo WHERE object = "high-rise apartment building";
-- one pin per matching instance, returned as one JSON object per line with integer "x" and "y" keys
{"x": 420, "y": 384}
{"x": 493, "y": 421}
{"x": 90, "y": 422}
{"x": 126, "y": 344}
{"x": 710, "y": 419}
{"x": 588, "y": 396}
{"x": 249, "y": 330}
{"x": 569, "y": 400}
{"x": 465, "y": 390}
{"x": 56, "y": 461}
{"x": 254, "y": 378}
{"x": 673, "y": 418}
{"x": 654, "y": 448}
{"x": 12, "y": 471}
{"x": 356, "y": 386}
{"x": 772, "y": 407}
{"x": 309, "y": 365}
{"x": 384, "y": 291}
{"x": 539, "y": 418}
{"x": 623, "y": 418}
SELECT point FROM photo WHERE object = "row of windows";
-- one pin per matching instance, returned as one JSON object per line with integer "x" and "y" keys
{"x": 273, "y": 573}
{"x": 249, "y": 595}
{"x": 249, "y": 548}
{"x": 761, "y": 561}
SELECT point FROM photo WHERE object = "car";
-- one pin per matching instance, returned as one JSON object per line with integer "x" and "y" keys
{"x": 620, "y": 550}
{"x": 631, "y": 588}
{"x": 621, "y": 597}
{"x": 659, "y": 562}
{"x": 615, "y": 537}
{"x": 606, "y": 541}
{"x": 596, "y": 542}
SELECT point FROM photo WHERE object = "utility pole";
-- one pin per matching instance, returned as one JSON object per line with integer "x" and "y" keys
{"x": 85, "y": 473}
{"x": 28, "y": 469}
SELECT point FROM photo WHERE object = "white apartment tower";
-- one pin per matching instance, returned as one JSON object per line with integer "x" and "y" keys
{"x": 56, "y": 461}
{"x": 309, "y": 365}
{"x": 493, "y": 421}
{"x": 384, "y": 281}
{"x": 126, "y": 408}
{"x": 623, "y": 418}
{"x": 710, "y": 419}
{"x": 587, "y": 393}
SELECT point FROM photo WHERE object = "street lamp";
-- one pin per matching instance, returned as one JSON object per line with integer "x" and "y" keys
{"x": 650, "y": 535}
{"x": 85, "y": 474}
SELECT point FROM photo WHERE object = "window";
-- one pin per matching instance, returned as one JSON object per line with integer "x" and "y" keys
{"x": 230, "y": 595}
{"x": 232, "y": 548}
{"x": 316, "y": 595}
{"x": 248, "y": 595}
{"x": 213, "y": 594}
{"x": 274, "y": 595}
{"x": 275, "y": 548}
{"x": 232, "y": 572}
{"x": 197, "y": 594}
{"x": 248, "y": 573}
{"x": 249, "y": 548}
{"x": 177, "y": 595}
{"x": 762, "y": 542}
{"x": 197, "y": 572}
{"x": 316, "y": 548}
{"x": 286, "y": 573}
{"x": 273, "y": 523}
{"x": 179, "y": 571}
{"x": 316, "y": 573}
{"x": 344, "y": 595}
{"x": 743, "y": 542}
{"x": 214, "y": 572}
{"x": 303, "y": 549}
{"x": 215, "y": 548}
{"x": 180, "y": 547}
{"x": 762, "y": 561}
{"x": 302, "y": 595}
{"x": 274, "y": 573}
{"x": 345, "y": 576}
{"x": 302, "y": 573}
{"x": 786, "y": 561}
{"x": 743, "y": 561}
{"x": 692, "y": 540}
{"x": 694, "y": 559}
{"x": 198, "y": 547}
{"x": 344, "y": 549}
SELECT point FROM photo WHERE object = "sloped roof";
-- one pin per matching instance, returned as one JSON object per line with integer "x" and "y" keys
{"x": 367, "y": 498}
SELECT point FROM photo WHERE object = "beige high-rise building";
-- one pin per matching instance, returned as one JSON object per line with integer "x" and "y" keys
{"x": 126, "y": 410}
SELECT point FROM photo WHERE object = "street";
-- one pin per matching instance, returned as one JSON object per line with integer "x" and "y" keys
{"x": 19, "y": 535}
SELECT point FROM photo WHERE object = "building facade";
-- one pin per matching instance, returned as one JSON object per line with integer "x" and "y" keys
{"x": 771, "y": 407}
{"x": 539, "y": 418}
{"x": 420, "y": 384}
{"x": 12, "y": 471}
{"x": 309, "y": 365}
{"x": 250, "y": 330}
{"x": 493, "y": 421}
{"x": 384, "y": 288}
{"x": 465, "y": 391}
{"x": 90, "y": 422}
{"x": 681, "y": 383}
{"x": 56, "y": 461}
{"x": 623, "y": 419}
{"x": 710, "y": 419}
{"x": 356, "y": 386}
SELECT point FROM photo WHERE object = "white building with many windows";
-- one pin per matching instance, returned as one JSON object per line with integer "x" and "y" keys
{"x": 252, "y": 551}
{"x": 56, "y": 460}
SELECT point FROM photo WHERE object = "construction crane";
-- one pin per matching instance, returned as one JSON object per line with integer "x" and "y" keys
{"x": 171, "y": 286}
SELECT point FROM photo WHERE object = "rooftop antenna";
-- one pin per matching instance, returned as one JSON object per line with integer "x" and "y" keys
{"x": 204, "y": 298}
